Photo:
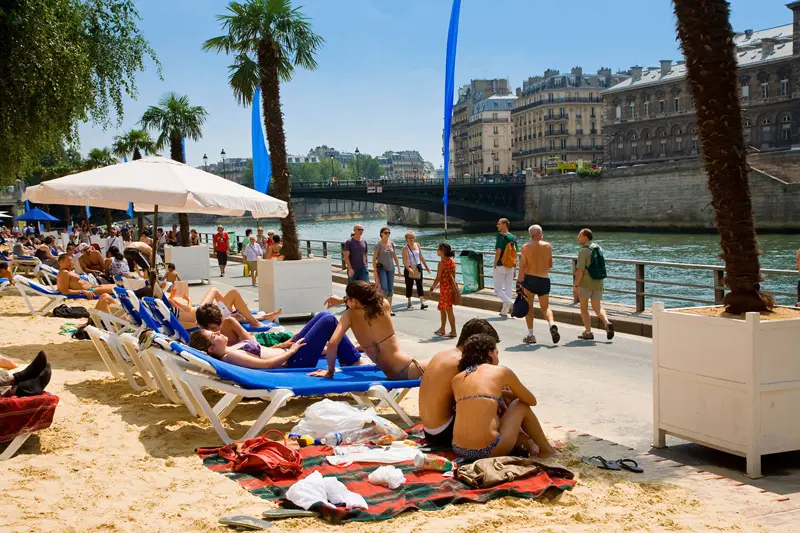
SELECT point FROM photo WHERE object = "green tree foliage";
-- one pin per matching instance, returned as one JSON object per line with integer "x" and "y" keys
{"x": 134, "y": 143}
{"x": 175, "y": 118}
{"x": 62, "y": 62}
{"x": 268, "y": 40}
{"x": 365, "y": 166}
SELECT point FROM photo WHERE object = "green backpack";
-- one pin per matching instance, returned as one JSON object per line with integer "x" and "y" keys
{"x": 597, "y": 263}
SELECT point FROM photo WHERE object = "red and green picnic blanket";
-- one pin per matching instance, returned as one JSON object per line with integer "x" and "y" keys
{"x": 425, "y": 491}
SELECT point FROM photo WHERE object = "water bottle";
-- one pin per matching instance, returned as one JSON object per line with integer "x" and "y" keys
{"x": 353, "y": 436}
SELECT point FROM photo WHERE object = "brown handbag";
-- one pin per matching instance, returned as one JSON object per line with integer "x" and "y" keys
{"x": 261, "y": 455}
{"x": 485, "y": 473}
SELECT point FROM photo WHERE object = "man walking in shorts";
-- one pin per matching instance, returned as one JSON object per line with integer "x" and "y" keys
{"x": 587, "y": 289}
{"x": 505, "y": 265}
{"x": 221, "y": 248}
{"x": 534, "y": 279}
{"x": 355, "y": 256}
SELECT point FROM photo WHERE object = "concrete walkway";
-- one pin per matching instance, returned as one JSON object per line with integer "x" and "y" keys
{"x": 600, "y": 388}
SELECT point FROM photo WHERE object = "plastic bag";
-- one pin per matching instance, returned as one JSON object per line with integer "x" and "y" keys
{"x": 327, "y": 416}
{"x": 397, "y": 453}
{"x": 387, "y": 476}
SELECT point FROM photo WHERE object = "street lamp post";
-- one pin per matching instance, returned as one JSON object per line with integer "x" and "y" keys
{"x": 415, "y": 172}
{"x": 222, "y": 153}
{"x": 205, "y": 162}
{"x": 358, "y": 166}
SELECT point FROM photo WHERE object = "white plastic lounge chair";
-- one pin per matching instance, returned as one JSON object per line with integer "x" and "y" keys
{"x": 27, "y": 286}
{"x": 119, "y": 360}
{"x": 203, "y": 371}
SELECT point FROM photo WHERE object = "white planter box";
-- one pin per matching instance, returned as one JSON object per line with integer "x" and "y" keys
{"x": 732, "y": 385}
{"x": 191, "y": 262}
{"x": 299, "y": 287}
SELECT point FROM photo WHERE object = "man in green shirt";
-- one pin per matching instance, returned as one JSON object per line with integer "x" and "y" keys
{"x": 505, "y": 266}
{"x": 587, "y": 289}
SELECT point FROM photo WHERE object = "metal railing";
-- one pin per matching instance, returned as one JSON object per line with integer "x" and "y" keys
{"x": 639, "y": 283}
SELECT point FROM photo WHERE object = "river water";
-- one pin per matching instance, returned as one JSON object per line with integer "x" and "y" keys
{"x": 778, "y": 253}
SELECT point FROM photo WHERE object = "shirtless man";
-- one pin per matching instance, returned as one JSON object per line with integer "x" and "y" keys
{"x": 138, "y": 255}
{"x": 368, "y": 315}
{"x": 534, "y": 276}
{"x": 69, "y": 283}
{"x": 92, "y": 262}
{"x": 436, "y": 402}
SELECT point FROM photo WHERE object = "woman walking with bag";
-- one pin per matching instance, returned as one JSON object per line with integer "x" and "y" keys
{"x": 384, "y": 259}
{"x": 448, "y": 294}
{"x": 413, "y": 261}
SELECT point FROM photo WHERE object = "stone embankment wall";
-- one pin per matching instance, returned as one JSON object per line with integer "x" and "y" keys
{"x": 664, "y": 196}
{"x": 407, "y": 216}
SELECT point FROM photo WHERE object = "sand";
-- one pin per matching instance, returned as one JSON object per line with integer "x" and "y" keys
{"x": 116, "y": 460}
{"x": 778, "y": 313}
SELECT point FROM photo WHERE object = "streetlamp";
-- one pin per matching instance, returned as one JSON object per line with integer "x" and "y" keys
{"x": 415, "y": 172}
{"x": 358, "y": 166}
{"x": 205, "y": 162}
{"x": 222, "y": 153}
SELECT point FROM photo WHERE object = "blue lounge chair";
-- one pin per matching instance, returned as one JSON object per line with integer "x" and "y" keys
{"x": 170, "y": 325}
{"x": 28, "y": 286}
{"x": 139, "y": 315}
{"x": 203, "y": 371}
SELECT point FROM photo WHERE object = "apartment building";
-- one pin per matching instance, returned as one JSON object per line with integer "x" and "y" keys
{"x": 557, "y": 117}
{"x": 651, "y": 116}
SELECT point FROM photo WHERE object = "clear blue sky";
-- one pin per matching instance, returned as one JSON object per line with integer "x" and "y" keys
{"x": 379, "y": 85}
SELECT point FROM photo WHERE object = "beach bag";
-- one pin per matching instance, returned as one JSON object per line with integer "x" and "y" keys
{"x": 246, "y": 270}
{"x": 261, "y": 455}
{"x": 65, "y": 311}
{"x": 490, "y": 472}
{"x": 520, "y": 308}
{"x": 597, "y": 263}
{"x": 414, "y": 272}
{"x": 509, "y": 257}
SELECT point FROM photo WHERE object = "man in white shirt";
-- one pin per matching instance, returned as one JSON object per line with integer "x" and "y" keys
{"x": 252, "y": 252}
{"x": 114, "y": 239}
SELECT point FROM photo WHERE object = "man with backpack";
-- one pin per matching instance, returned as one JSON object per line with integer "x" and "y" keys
{"x": 505, "y": 265}
{"x": 589, "y": 275}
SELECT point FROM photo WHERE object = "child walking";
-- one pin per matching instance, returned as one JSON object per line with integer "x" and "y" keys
{"x": 446, "y": 279}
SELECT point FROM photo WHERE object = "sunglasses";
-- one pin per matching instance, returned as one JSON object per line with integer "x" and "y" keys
{"x": 359, "y": 229}
{"x": 386, "y": 233}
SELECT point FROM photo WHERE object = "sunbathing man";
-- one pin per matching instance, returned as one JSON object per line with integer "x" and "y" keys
{"x": 534, "y": 276}
{"x": 92, "y": 262}
{"x": 70, "y": 284}
{"x": 231, "y": 304}
{"x": 30, "y": 381}
{"x": 368, "y": 315}
{"x": 437, "y": 406}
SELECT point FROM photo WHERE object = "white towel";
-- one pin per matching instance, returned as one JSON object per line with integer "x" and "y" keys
{"x": 316, "y": 488}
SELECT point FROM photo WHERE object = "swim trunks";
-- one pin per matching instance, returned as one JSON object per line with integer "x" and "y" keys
{"x": 536, "y": 285}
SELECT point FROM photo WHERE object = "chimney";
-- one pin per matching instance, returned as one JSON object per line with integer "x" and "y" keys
{"x": 767, "y": 45}
{"x": 748, "y": 34}
{"x": 666, "y": 66}
{"x": 636, "y": 73}
{"x": 577, "y": 71}
{"x": 519, "y": 92}
{"x": 795, "y": 7}
{"x": 549, "y": 73}
{"x": 604, "y": 72}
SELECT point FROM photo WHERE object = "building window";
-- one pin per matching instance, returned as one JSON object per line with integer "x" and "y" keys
{"x": 634, "y": 150}
{"x": 661, "y": 107}
{"x": 746, "y": 122}
{"x": 580, "y": 143}
{"x": 676, "y": 105}
{"x": 494, "y": 116}
{"x": 592, "y": 115}
{"x": 745, "y": 91}
{"x": 557, "y": 82}
{"x": 497, "y": 143}
{"x": 619, "y": 112}
{"x": 552, "y": 145}
{"x": 561, "y": 111}
{"x": 592, "y": 141}
{"x": 563, "y": 157}
{"x": 632, "y": 110}
{"x": 691, "y": 102}
{"x": 679, "y": 144}
{"x": 648, "y": 149}
{"x": 494, "y": 130}
{"x": 786, "y": 127}
{"x": 646, "y": 107}
{"x": 765, "y": 90}
{"x": 785, "y": 87}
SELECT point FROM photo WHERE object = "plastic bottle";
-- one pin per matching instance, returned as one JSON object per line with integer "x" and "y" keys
{"x": 354, "y": 436}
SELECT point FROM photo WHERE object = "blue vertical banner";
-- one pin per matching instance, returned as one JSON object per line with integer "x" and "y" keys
{"x": 183, "y": 149}
{"x": 262, "y": 169}
{"x": 88, "y": 212}
{"x": 27, "y": 206}
{"x": 449, "y": 89}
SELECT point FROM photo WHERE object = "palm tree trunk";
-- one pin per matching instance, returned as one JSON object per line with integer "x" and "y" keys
{"x": 137, "y": 154}
{"x": 707, "y": 40}
{"x": 108, "y": 220}
{"x": 273, "y": 122}
{"x": 176, "y": 152}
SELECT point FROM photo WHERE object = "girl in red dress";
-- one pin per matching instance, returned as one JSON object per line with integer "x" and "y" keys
{"x": 446, "y": 279}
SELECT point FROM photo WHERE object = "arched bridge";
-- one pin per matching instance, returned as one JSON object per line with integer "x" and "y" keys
{"x": 479, "y": 199}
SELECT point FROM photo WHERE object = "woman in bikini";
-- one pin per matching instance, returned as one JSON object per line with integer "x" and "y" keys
{"x": 479, "y": 430}
{"x": 368, "y": 315}
{"x": 303, "y": 350}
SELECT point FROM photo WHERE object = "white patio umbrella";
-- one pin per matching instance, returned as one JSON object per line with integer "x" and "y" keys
{"x": 153, "y": 184}
{"x": 3, "y": 214}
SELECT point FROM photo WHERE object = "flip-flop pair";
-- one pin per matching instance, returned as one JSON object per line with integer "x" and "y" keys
{"x": 621, "y": 464}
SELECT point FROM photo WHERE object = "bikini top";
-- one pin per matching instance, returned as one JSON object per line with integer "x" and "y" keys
{"x": 469, "y": 371}
{"x": 251, "y": 347}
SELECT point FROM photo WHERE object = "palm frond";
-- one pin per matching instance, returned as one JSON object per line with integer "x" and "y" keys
{"x": 244, "y": 78}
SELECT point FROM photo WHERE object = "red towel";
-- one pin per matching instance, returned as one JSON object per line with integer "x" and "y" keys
{"x": 26, "y": 415}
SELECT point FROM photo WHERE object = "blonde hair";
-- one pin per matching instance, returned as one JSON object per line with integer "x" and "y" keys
{"x": 410, "y": 234}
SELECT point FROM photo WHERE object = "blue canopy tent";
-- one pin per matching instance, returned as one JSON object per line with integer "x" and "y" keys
{"x": 36, "y": 215}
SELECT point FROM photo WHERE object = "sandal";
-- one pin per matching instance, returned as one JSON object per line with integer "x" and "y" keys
{"x": 439, "y": 333}
{"x": 600, "y": 462}
{"x": 630, "y": 465}
{"x": 451, "y": 335}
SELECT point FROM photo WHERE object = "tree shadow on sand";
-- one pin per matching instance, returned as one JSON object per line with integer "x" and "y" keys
{"x": 72, "y": 355}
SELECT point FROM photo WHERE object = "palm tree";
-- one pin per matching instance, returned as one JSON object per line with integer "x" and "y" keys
{"x": 706, "y": 37}
{"x": 97, "y": 158}
{"x": 175, "y": 118}
{"x": 268, "y": 39}
{"x": 134, "y": 142}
